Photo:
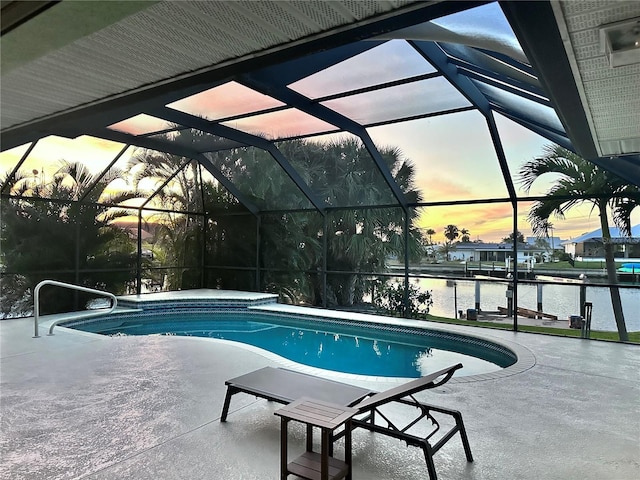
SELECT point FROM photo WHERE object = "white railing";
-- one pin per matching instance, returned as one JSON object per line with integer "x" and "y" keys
{"x": 36, "y": 302}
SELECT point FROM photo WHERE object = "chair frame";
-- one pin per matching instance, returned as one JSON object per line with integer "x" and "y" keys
{"x": 368, "y": 403}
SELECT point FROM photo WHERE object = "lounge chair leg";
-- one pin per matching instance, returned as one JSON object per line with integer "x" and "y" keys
{"x": 428, "y": 456}
{"x": 227, "y": 400}
{"x": 463, "y": 436}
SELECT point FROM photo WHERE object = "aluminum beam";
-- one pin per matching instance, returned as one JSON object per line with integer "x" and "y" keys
{"x": 303, "y": 104}
{"x": 245, "y": 138}
{"x": 173, "y": 149}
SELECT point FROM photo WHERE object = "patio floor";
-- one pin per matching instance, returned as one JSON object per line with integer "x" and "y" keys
{"x": 77, "y": 405}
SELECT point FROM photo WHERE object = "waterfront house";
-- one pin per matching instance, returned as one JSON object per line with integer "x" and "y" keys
{"x": 495, "y": 252}
{"x": 589, "y": 247}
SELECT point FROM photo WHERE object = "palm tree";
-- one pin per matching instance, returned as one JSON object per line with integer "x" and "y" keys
{"x": 176, "y": 233}
{"x": 358, "y": 239}
{"x": 464, "y": 235}
{"x": 451, "y": 232}
{"x": 430, "y": 232}
{"x": 48, "y": 232}
{"x": 581, "y": 181}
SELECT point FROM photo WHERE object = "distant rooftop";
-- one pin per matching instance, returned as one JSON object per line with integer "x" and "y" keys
{"x": 615, "y": 234}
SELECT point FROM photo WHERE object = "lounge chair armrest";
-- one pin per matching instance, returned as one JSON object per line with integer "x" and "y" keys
{"x": 447, "y": 376}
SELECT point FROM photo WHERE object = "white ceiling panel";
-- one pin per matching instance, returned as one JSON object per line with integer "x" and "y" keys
{"x": 610, "y": 96}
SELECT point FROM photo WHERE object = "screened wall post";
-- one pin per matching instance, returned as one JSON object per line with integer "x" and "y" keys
{"x": 504, "y": 167}
{"x": 139, "y": 256}
{"x": 515, "y": 266}
{"x": 258, "y": 240}
{"x": 325, "y": 230}
{"x": 405, "y": 313}
{"x": 205, "y": 229}
{"x": 203, "y": 249}
{"x": 76, "y": 298}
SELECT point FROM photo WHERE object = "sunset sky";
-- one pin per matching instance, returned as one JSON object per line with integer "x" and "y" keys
{"x": 449, "y": 166}
{"x": 453, "y": 154}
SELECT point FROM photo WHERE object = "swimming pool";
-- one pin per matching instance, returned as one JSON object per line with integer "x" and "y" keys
{"x": 339, "y": 346}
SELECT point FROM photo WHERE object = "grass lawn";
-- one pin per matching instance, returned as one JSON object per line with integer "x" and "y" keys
{"x": 577, "y": 266}
{"x": 634, "y": 337}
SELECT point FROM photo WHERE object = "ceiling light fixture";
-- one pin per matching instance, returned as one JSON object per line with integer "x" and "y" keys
{"x": 620, "y": 42}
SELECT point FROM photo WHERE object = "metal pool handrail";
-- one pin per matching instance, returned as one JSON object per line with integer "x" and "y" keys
{"x": 36, "y": 302}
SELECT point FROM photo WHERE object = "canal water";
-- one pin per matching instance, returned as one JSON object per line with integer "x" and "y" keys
{"x": 560, "y": 300}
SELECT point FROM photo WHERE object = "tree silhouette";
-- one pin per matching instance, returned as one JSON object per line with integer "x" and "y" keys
{"x": 430, "y": 232}
{"x": 509, "y": 238}
{"x": 47, "y": 233}
{"x": 581, "y": 181}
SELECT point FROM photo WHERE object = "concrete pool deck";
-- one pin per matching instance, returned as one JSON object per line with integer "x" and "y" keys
{"x": 78, "y": 405}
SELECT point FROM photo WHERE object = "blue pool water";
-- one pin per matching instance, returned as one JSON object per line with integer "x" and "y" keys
{"x": 338, "y": 347}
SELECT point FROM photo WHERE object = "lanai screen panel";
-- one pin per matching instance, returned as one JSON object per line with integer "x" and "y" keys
{"x": 145, "y": 172}
{"x": 227, "y": 100}
{"x": 490, "y": 64}
{"x": 217, "y": 199}
{"x": 452, "y": 156}
{"x": 281, "y": 124}
{"x": 9, "y": 160}
{"x": 291, "y": 255}
{"x": 393, "y": 60}
{"x": 540, "y": 114}
{"x": 484, "y": 222}
{"x": 340, "y": 170}
{"x": 179, "y": 191}
{"x": 196, "y": 140}
{"x": 142, "y": 124}
{"x": 59, "y": 167}
{"x": 365, "y": 239}
{"x": 520, "y": 146}
{"x": 230, "y": 243}
{"x": 261, "y": 180}
{"x": 401, "y": 101}
{"x": 178, "y": 237}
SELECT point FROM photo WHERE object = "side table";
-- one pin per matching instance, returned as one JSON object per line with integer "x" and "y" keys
{"x": 328, "y": 417}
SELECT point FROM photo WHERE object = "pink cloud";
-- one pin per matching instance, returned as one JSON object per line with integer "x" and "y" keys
{"x": 225, "y": 101}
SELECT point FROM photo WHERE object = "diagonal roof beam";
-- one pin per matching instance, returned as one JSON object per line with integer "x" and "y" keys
{"x": 166, "y": 182}
{"x": 155, "y": 144}
{"x": 302, "y": 103}
{"x": 502, "y": 158}
{"x": 10, "y": 178}
{"x": 207, "y": 126}
{"x": 536, "y": 28}
{"x": 432, "y": 52}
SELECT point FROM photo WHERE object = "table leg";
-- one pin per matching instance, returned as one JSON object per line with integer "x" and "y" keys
{"x": 324, "y": 455}
{"x": 309, "y": 438}
{"x": 283, "y": 449}
{"x": 347, "y": 447}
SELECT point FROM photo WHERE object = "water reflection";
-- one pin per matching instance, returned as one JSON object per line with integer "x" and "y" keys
{"x": 560, "y": 300}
